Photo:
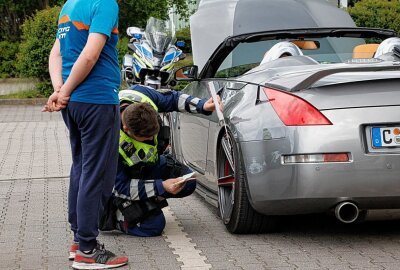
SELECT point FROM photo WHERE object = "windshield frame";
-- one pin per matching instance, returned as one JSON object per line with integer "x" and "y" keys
{"x": 230, "y": 43}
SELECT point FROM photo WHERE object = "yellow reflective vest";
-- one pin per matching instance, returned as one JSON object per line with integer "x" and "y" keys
{"x": 130, "y": 149}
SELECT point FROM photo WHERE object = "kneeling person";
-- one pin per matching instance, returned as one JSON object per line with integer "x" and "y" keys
{"x": 145, "y": 177}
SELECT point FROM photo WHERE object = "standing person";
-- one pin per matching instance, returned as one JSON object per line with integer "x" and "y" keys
{"x": 146, "y": 177}
{"x": 83, "y": 66}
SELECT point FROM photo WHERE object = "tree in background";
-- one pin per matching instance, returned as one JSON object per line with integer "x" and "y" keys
{"x": 351, "y": 3}
{"x": 132, "y": 13}
{"x": 7, "y": 59}
{"x": 38, "y": 35}
{"x": 137, "y": 12}
{"x": 17, "y": 18}
{"x": 13, "y": 14}
{"x": 376, "y": 13}
{"x": 184, "y": 35}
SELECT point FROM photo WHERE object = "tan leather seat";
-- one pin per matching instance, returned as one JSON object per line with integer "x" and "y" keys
{"x": 305, "y": 44}
{"x": 365, "y": 50}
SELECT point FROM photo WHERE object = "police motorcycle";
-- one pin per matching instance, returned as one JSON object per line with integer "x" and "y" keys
{"x": 153, "y": 55}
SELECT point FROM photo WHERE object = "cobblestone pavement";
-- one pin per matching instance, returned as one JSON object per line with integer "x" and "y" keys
{"x": 34, "y": 232}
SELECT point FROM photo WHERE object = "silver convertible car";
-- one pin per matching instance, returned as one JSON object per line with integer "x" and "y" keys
{"x": 311, "y": 124}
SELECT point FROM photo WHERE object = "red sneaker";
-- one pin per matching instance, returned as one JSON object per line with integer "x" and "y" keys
{"x": 72, "y": 250}
{"x": 99, "y": 258}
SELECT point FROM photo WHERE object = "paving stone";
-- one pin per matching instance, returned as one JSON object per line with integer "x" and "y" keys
{"x": 336, "y": 266}
{"x": 383, "y": 258}
{"x": 390, "y": 266}
{"x": 224, "y": 265}
{"x": 35, "y": 162}
{"x": 281, "y": 268}
{"x": 31, "y": 260}
{"x": 253, "y": 267}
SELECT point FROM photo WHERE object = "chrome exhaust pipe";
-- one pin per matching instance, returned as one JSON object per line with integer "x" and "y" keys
{"x": 347, "y": 212}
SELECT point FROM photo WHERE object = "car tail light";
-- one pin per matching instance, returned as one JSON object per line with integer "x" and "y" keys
{"x": 293, "y": 110}
{"x": 316, "y": 158}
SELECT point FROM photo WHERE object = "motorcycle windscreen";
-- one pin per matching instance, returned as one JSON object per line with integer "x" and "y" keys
{"x": 160, "y": 34}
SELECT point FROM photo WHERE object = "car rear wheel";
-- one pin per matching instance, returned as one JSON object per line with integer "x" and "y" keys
{"x": 235, "y": 209}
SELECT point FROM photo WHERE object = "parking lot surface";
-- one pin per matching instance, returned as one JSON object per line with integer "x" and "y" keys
{"x": 34, "y": 232}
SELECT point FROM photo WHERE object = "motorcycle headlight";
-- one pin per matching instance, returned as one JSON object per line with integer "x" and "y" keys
{"x": 127, "y": 60}
{"x": 156, "y": 61}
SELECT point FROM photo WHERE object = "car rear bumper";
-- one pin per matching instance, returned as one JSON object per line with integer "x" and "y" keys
{"x": 320, "y": 205}
{"x": 372, "y": 181}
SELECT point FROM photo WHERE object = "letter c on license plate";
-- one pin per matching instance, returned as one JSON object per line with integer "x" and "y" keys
{"x": 385, "y": 137}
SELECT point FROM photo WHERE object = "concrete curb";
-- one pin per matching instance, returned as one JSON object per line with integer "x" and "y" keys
{"x": 19, "y": 80}
{"x": 23, "y": 101}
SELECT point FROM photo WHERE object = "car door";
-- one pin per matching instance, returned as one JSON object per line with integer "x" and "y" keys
{"x": 198, "y": 135}
{"x": 193, "y": 129}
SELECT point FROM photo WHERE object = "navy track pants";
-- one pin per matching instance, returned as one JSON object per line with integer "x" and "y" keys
{"x": 94, "y": 137}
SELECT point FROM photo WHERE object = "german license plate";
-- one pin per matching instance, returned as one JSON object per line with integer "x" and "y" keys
{"x": 385, "y": 137}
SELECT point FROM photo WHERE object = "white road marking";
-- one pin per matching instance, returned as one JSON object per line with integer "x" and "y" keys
{"x": 180, "y": 242}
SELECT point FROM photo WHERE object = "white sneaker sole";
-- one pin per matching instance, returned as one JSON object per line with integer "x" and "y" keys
{"x": 89, "y": 266}
{"x": 71, "y": 255}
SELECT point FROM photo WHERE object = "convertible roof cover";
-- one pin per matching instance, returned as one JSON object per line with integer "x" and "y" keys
{"x": 217, "y": 19}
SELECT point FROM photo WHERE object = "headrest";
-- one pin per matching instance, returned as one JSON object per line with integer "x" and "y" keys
{"x": 387, "y": 46}
{"x": 364, "y": 50}
{"x": 281, "y": 49}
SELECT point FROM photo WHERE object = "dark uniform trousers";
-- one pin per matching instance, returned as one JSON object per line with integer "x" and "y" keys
{"x": 155, "y": 224}
{"x": 94, "y": 137}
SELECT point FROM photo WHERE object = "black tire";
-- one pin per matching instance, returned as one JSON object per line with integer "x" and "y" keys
{"x": 243, "y": 219}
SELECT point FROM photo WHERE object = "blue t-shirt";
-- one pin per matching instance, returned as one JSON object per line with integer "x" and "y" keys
{"x": 77, "y": 19}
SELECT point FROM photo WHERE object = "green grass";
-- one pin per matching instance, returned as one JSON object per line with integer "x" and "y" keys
{"x": 23, "y": 94}
{"x": 185, "y": 62}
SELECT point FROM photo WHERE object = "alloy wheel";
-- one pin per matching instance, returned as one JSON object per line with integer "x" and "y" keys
{"x": 226, "y": 179}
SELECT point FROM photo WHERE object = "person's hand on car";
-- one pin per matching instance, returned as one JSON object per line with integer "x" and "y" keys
{"x": 209, "y": 106}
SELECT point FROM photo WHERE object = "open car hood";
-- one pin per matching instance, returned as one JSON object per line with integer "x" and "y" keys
{"x": 248, "y": 16}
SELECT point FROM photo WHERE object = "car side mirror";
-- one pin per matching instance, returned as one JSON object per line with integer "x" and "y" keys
{"x": 188, "y": 73}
